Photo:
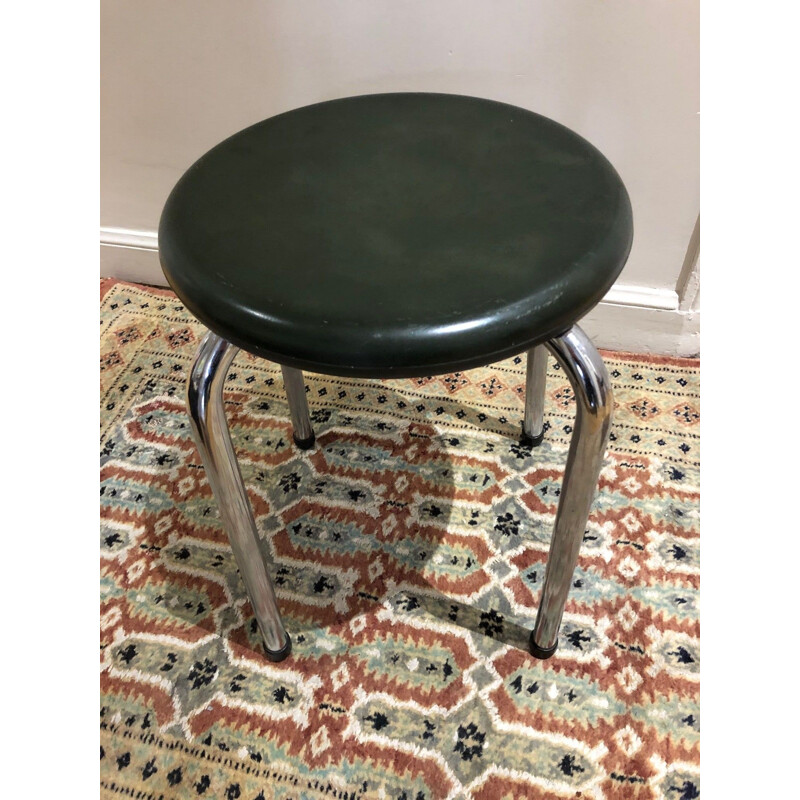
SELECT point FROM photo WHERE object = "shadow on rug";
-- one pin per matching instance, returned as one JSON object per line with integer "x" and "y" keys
{"x": 409, "y": 548}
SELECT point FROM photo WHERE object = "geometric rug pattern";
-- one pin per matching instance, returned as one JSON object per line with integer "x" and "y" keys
{"x": 408, "y": 550}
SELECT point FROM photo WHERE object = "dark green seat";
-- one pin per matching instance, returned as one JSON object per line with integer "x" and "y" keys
{"x": 396, "y": 234}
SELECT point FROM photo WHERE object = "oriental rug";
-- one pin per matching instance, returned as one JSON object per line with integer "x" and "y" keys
{"x": 408, "y": 548}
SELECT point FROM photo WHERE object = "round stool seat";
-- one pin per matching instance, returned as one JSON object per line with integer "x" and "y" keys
{"x": 396, "y": 235}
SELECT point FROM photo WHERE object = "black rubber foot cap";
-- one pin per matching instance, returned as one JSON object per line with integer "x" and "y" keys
{"x": 541, "y": 652}
{"x": 304, "y": 444}
{"x": 280, "y": 655}
{"x": 531, "y": 441}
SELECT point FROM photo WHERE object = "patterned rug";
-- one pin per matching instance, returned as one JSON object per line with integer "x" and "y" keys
{"x": 409, "y": 548}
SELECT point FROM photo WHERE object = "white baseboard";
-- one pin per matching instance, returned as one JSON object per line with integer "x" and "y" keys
{"x": 130, "y": 256}
{"x": 639, "y": 319}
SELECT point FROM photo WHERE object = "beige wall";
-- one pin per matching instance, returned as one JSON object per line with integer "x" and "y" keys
{"x": 180, "y": 75}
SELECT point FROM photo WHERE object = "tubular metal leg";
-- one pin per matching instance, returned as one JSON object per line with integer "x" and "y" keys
{"x": 592, "y": 387}
{"x": 298, "y": 407}
{"x": 207, "y": 412}
{"x": 535, "y": 384}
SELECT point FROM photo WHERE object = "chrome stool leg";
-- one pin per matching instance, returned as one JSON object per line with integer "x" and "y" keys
{"x": 535, "y": 384}
{"x": 207, "y": 412}
{"x": 592, "y": 387}
{"x": 298, "y": 407}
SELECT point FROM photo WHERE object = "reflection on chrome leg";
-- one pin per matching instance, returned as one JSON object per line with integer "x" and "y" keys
{"x": 592, "y": 387}
{"x": 535, "y": 385}
{"x": 298, "y": 407}
{"x": 207, "y": 412}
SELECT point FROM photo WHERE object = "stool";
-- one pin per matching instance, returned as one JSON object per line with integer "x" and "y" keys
{"x": 398, "y": 235}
